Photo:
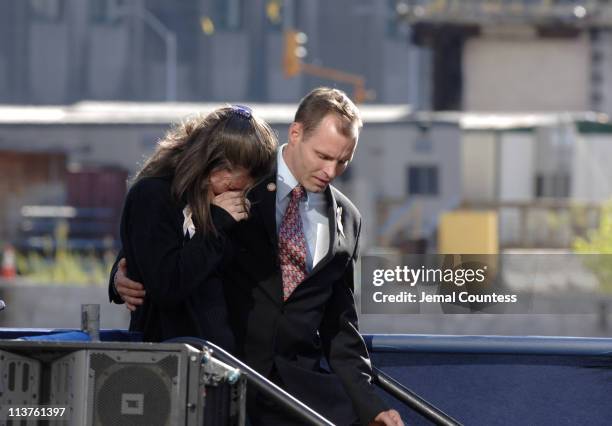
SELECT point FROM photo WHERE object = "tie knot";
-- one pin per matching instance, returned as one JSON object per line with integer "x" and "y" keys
{"x": 298, "y": 193}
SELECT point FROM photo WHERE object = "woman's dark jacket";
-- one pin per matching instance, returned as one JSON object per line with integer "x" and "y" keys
{"x": 184, "y": 294}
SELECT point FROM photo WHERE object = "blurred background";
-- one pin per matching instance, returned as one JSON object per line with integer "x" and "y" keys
{"x": 486, "y": 131}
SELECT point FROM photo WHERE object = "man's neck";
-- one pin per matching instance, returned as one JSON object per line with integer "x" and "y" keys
{"x": 288, "y": 159}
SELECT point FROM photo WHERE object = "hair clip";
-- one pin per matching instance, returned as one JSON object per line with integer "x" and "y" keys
{"x": 242, "y": 111}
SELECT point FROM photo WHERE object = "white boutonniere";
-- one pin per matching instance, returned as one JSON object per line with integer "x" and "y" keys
{"x": 339, "y": 221}
{"x": 188, "y": 225}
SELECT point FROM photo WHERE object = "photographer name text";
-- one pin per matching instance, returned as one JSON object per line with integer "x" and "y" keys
{"x": 423, "y": 297}
{"x": 457, "y": 278}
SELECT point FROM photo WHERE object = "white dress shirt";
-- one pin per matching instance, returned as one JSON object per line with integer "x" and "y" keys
{"x": 313, "y": 211}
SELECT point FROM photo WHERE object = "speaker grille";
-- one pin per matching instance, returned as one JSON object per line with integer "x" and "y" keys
{"x": 131, "y": 393}
{"x": 19, "y": 380}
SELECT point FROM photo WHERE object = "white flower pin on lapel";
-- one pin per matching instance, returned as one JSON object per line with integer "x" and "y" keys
{"x": 339, "y": 221}
{"x": 188, "y": 225}
{"x": 271, "y": 187}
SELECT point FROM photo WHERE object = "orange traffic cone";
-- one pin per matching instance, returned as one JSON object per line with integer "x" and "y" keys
{"x": 8, "y": 262}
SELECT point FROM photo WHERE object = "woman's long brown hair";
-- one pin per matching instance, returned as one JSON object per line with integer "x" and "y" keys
{"x": 192, "y": 150}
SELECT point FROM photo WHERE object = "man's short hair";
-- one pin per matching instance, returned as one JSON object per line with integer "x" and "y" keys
{"x": 322, "y": 101}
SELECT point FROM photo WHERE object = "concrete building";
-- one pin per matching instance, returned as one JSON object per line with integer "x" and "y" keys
{"x": 63, "y": 51}
{"x": 546, "y": 174}
{"x": 516, "y": 56}
{"x": 537, "y": 170}
{"x": 405, "y": 172}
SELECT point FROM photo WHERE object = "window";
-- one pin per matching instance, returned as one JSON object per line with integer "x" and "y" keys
{"x": 423, "y": 180}
{"x": 552, "y": 185}
{"x": 228, "y": 14}
{"x": 423, "y": 142}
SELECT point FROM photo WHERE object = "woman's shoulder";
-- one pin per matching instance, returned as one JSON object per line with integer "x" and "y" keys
{"x": 152, "y": 187}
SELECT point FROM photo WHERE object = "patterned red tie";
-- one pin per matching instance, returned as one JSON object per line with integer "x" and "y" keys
{"x": 292, "y": 244}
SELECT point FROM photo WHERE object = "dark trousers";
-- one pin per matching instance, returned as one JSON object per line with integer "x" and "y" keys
{"x": 263, "y": 411}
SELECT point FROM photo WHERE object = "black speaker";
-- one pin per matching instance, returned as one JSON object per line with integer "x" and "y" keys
{"x": 116, "y": 383}
{"x": 19, "y": 386}
{"x": 106, "y": 387}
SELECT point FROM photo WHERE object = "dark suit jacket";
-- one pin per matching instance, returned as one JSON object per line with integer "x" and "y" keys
{"x": 318, "y": 319}
{"x": 184, "y": 293}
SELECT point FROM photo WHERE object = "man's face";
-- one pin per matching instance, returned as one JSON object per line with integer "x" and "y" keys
{"x": 323, "y": 155}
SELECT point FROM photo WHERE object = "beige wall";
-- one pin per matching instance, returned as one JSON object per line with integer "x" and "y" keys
{"x": 591, "y": 174}
{"x": 517, "y": 169}
{"x": 528, "y": 74}
{"x": 479, "y": 167}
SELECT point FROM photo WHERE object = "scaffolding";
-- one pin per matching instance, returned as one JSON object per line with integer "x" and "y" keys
{"x": 579, "y": 14}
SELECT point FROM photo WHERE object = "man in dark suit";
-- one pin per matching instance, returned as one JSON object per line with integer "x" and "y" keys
{"x": 290, "y": 285}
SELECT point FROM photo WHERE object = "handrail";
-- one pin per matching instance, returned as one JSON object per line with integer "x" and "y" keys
{"x": 301, "y": 410}
{"x": 412, "y": 400}
{"x": 259, "y": 382}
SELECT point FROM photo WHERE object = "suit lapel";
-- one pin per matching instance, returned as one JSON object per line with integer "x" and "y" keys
{"x": 263, "y": 198}
{"x": 263, "y": 211}
{"x": 264, "y": 201}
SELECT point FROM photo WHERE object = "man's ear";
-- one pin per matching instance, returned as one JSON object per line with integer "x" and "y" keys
{"x": 296, "y": 130}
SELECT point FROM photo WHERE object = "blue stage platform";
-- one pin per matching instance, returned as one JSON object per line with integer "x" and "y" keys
{"x": 494, "y": 380}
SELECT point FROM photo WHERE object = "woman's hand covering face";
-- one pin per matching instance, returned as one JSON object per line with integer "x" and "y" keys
{"x": 235, "y": 203}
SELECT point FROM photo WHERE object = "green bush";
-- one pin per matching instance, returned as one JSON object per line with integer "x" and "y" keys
{"x": 598, "y": 243}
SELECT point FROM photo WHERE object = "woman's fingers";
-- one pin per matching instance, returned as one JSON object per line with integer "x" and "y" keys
{"x": 130, "y": 292}
{"x": 234, "y": 203}
{"x": 229, "y": 195}
{"x": 242, "y": 216}
{"x": 134, "y": 301}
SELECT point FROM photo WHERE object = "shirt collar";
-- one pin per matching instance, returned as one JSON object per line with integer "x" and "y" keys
{"x": 285, "y": 181}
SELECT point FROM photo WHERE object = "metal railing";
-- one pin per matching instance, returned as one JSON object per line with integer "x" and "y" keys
{"x": 260, "y": 383}
{"x": 478, "y": 12}
{"x": 305, "y": 413}
{"x": 412, "y": 400}
{"x": 543, "y": 223}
